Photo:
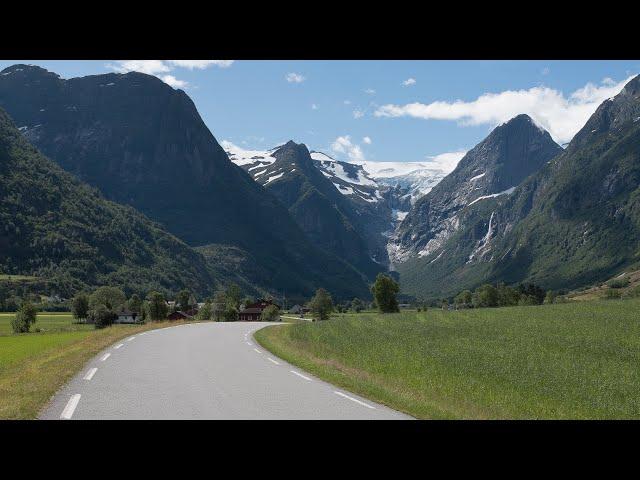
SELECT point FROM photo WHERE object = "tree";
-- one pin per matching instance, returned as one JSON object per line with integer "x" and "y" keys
{"x": 464, "y": 299}
{"x": 270, "y": 314}
{"x": 101, "y": 316}
{"x": 219, "y": 305}
{"x": 532, "y": 290}
{"x": 234, "y": 295}
{"x": 357, "y": 305}
{"x": 384, "y": 292}
{"x": 112, "y": 298}
{"x": 550, "y": 297}
{"x": 507, "y": 296}
{"x": 80, "y": 306}
{"x": 206, "y": 312}
{"x": 247, "y": 301}
{"x": 485, "y": 296}
{"x": 135, "y": 304}
{"x": 182, "y": 300}
{"x": 158, "y": 308}
{"x": 321, "y": 305}
{"x": 230, "y": 313}
{"x": 25, "y": 317}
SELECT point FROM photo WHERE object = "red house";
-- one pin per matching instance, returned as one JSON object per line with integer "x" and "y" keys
{"x": 180, "y": 315}
{"x": 252, "y": 312}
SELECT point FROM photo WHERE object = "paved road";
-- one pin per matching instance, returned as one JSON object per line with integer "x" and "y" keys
{"x": 202, "y": 371}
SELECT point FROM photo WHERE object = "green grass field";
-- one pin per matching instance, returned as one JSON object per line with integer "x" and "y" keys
{"x": 33, "y": 366}
{"x": 573, "y": 361}
{"x": 47, "y": 322}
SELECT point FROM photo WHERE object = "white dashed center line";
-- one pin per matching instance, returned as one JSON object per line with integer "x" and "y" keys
{"x": 250, "y": 344}
{"x": 355, "y": 400}
{"x": 90, "y": 374}
{"x": 118, "y": 346}
{"x": 67, "y": 413}
{"x": 105, "y": 356}
{"x": 273, "y": 361}
{"x": 300, "y": 375}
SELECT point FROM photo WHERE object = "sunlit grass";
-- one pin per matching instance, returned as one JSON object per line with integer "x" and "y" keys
{"x": 577, "y": 360}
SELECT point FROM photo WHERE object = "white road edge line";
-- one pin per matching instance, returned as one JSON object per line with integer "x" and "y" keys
{"x": 67, "y": 413}
{"x": 355, "y": 400}
{"x": 300, "y": 375}
{"x": 130, "y": 338}
{"x": 118, "y": 346}
{"x": 273, "y": 361}
{"x": 90, "y": 373}
{"x": 257, "y": 350}
{"x": 105, "y": 356}
{"x": 250, "y": 344}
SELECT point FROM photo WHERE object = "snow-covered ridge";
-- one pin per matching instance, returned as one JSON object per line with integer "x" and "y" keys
{"x": 241, "y": 157}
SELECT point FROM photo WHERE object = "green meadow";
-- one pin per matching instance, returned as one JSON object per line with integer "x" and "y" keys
{"x": 576, "y": 360}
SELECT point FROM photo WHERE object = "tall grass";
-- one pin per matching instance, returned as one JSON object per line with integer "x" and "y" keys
{"x": 576, "y": 360}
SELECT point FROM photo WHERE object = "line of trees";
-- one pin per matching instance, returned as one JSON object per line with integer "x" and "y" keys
{"x": 503, "y": 295}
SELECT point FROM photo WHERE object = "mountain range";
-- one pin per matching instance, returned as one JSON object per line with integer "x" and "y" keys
{"x": 573, "y": 221}
{"x": 139, "y": 192}
{"x": 143, "y": 143}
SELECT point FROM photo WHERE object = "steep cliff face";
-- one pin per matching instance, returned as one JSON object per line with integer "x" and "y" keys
{"x": 144, "y": 144}
{"x": 64, "y": 232}
{"x": 497, "y": 165}
{"x": 574, "y": 222}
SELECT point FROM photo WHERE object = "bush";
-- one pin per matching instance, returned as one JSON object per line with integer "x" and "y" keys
{"x": 270, "y": 314}
{"x": 550, "y": 297}
{"x": 464, "y": 299}
{"x": 101, "y": 316}
{"x": 612, "y": 293}
{"x": 25, "y": 317}
{"x": 485, "y": 296}
{"x": 618, "y": 283}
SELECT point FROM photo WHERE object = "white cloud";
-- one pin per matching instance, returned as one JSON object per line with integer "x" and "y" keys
{"x": 409, "y": 81}
{"x": 173, "y": 81}
{"x": 370, "y": 91}
{"x": 367, "y": 140}
{"x": 294, "y": 78}
{"x": 161, "y": 68}
{"x": 314, "y": 106}
{"x": 201, "y": 64}
{"x": 446, "y": 161}
{"x": 561, "y": 116}
{"x": 357, "y": 113}
{"x": 347, "y": 102}
{"x": 150, "y": 67}
{"x": 344, "y": 145}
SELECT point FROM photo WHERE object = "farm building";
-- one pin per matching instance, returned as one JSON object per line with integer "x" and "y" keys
{"x": 180, "y": 315}
{"x": 125, "y": 316}
{"x": 252, "y": 312}
{"x": 299, "y": 309}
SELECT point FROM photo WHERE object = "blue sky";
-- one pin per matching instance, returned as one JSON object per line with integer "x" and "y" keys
{"x": 371, "y": 110}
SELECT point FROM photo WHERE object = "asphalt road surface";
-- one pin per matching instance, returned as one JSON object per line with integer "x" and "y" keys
{"x": 202, "y": 371}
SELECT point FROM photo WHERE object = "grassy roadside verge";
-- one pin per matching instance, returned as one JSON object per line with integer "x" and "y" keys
{"x": 42, "y": 364}
{"x": 571, "y": 361}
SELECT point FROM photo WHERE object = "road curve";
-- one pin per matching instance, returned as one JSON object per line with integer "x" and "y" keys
{"x": 202, "y": 371}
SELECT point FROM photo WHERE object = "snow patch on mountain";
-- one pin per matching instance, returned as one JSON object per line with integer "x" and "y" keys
{"x": 508, "y": 191}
